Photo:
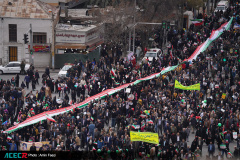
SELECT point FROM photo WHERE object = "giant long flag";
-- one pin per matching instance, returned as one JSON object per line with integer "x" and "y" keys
{"x": 45, "y": 115}
{"x": 214, "y": 35}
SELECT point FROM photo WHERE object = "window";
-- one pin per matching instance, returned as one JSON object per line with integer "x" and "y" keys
{"x": 10, "y": 65}
{"x": 39, "y": 37}
{"x": 12, "y": 32}
{"x": 16, "y": 64}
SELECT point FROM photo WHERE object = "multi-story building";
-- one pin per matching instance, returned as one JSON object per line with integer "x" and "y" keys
{"x": 16, "y": 17}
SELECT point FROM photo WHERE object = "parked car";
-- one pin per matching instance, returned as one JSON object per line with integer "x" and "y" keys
{"x": 13, "y": 67}
{"x": 153, "y": 52}
{"x": 222, "y": 6}
{"x": 63, "y": 72}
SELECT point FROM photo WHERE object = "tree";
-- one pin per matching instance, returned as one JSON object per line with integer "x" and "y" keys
{"x": 119, "y": 17}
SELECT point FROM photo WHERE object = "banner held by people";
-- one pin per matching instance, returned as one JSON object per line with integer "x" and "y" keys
{"x": 144, "y": 136}
{"x": 192, "y": 87}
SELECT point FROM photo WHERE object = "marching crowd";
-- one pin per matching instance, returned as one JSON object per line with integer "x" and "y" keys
{"x": 102, "y": 128}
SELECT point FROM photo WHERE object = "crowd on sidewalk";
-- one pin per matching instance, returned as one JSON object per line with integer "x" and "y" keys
{"x": 103, "y": 127}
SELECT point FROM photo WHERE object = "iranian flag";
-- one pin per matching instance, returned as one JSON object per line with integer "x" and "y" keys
{"x": 29, "y": 115}
{"x": 33, "y": 112}
{"x": 119, "y": 149}
{"x": 45, "y": 106}
{"x": 223, "y": 146}
{"x": 92, "y": 119}
{"x": 139, "y": 72}
{"x": 113, "y": 72}
{"x": 197, "y": 22}
{"x": 214, "y": 35}
{"x": 9, "y": 138}
{"x": 176, "y": 150}
{"x": 38, "y": 103}
{"x": 42, "y": 116}
{"x": 150, "y": 121}
{"x": 230, "y": 153}
{"x": 134, "y": 126}
{"x": 94, "y": 149}
{"x": 143, "y": 116}
{"x": 50, "y": 118}
{"x": 70, "y": 102}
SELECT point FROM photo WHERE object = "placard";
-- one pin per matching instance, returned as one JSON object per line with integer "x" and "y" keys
{"x": 235, "y": 135}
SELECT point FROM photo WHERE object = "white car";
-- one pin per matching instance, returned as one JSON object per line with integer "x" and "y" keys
{"x": 13, "y": 67}
{"x": 222, "y": 6}
{"x": 63, "y": 72}
{"x": 153, "y": 52}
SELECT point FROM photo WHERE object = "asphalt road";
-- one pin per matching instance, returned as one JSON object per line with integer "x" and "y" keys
{"x": 38, "y": 87}
{"x": 55, "y": 75}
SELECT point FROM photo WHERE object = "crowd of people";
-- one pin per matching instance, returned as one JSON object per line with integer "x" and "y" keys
{"x": 102, "y": 128}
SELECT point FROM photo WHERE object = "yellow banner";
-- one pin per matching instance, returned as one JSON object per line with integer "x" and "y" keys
{"x": 144, "y": 136}
{"x": 192, "y": 87}
{"x": 25, "y": 146}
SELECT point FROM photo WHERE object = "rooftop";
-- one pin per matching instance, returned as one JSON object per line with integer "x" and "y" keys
{"x": 68, "y": 27}
{"x": 26, "y": 9}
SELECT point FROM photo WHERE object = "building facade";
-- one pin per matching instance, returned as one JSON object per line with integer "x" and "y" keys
{"x": 16, "y": 17}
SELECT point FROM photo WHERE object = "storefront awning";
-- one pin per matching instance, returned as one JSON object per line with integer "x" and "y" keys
{"x": 70, "y": 46}
{"x": 93, "y": 44}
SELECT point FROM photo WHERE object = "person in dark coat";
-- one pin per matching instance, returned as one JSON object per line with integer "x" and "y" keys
{"x": 37, "y": 76}
{"x": 33, "y": 83}
{"x": 17, "y": 80}
{"x": 33, "y": 147}
{"x": 27, "y": 80}
{"x": 47, "y": 71}
{"x": 211, "y": 149}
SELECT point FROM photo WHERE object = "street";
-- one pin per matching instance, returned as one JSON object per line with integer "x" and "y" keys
{"x": 21, "y": 78}
{"x": 55, "y": 75}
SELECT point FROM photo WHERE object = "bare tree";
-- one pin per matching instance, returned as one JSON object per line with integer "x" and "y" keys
{"x": 119, "y": 17}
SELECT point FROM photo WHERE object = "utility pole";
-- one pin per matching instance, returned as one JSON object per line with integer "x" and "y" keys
{"x": 208, "y": 7}
{"x": 134, "y": 22}
{"x": 53, "y": 43}
{"x": 129, "y": 41}
{"x": 31, "y": 57}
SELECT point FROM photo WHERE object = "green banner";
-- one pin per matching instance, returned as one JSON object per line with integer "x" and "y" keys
{"x": 192, "y": 87}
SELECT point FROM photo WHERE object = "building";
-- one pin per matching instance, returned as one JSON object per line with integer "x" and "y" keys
{"x": 75, "y": 41}
{"x": 55, "y": 2}
{"x": 69, "y": 3}
{"x": 77, "y": 36}
{"x": 16, "y": 17}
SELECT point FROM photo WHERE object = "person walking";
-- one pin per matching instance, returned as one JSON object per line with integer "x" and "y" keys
{"x": 27, "y": 80}
{"x": 47, "y": 71}
{"x": 91, "y": 128}
{"x": 17, "y": 80}
{"x": 37, "y": 76}
{"x": 33, "y": 83}
{"x": 211, "y": 149}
